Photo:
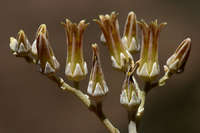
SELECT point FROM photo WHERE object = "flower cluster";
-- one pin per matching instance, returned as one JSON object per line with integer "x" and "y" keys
{"x": 111, "y": 35}
{"x": 121, "y": 50}
{"x": 40, "y": 52}
{"x": 20, "y": 46}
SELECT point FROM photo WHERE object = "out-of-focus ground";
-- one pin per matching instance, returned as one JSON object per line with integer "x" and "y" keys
{"x": 30, "y": 103}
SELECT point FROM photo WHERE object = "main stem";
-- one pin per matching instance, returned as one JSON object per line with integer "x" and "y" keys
{"x": 104, "y": 120}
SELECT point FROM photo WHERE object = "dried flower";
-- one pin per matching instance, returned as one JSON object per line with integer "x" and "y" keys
{"x": 177, "y": 61}
{"x": 76, "y": 67}
{"x": 46, "y": 59}
{"x": 129, "y": 39}
{"x": 149, "y": 65}
{"x": 20, "y": 46}
{"x": 110, "y": 28}
{"x": 130, "y": 95}
{"x": 97, "y": 87}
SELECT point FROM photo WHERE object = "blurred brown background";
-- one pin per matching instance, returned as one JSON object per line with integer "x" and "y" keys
{"x": 30, "y": 103}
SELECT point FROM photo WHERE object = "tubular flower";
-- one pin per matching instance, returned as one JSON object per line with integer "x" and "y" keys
{"x": 130, "y": 95}
{"x": 148, "y": 65}
{"x": 129, "y": 38}
{"x": 20, "y": 46}
{"x": 110, "y": 28}
{"x": 177, "y": 61}
{"x": 76, "y": 67}
{"x": 97, "y": 87}
{"x": 42, "y": 28}
{"x": 46, "y": 59}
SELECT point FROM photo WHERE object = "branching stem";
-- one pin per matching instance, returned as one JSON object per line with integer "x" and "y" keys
{"x": 97, "y": 109}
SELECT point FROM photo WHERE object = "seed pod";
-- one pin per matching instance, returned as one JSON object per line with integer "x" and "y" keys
{"x": 130, "y": 95}
{"x": 177, "y": 61}
{"x": 97, "y": 87}
{"x": 129, "y": 39}
{"x": 76, "y": 67}
{"x": 111, "y": 35}
{"x": 46, "y": 59}
{"x": 149, "y": 66}
{"x": 20, "y": 46}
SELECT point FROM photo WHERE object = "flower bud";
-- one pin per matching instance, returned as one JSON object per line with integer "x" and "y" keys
{"x": 34, "y": 45}
{"x": 46, "y": 59}
{"x": 148, "y": 65}
{"x": 110, "y": 28}
{"x": 20, "y": 46}
{"x": 76, "y": 67}
{"x": 42, "y": 28}
{"x": 130, "y": 95}
{"x": 129, "y": 39}
{"x": 97, "y": 87}
{"x": 177, "y": 61}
